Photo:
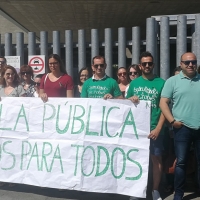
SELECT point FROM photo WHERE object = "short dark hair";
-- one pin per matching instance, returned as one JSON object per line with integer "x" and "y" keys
{"x": 4, "y": 59}
{"x": 98, "y": 57}
{"x": 16, "y": 80}
{"x": 57, "y": 57}
{"x": 177, "y": 69}
{"x": 39, "y": 75}
{"x": 145, "y": 54}
{"x": 137, "y": 69}
{"x": 79, "y": 74}
{"x": 26, "y": 68}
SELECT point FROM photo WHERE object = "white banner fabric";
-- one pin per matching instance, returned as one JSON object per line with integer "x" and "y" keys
{"x": 90, "y": 145}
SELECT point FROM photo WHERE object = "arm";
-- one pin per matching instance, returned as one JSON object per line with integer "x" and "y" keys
{"x": 70, "y": 93}
{"x": 109, "y": 96}
{"x": 155, "y": 132}
{"x": 164, "y": 106}
{"x": 43, "y": 95}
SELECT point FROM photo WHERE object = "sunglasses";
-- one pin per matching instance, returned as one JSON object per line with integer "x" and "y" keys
{"x": 25, "y": 73}
{"x": 133, "y": 73}
{"x": 97, "y": 65}
{"x": 144, "y": 64}
{"x": 37, "y": 84}
{"x": 187, "y": 62}
{"x": 123, "y": 73}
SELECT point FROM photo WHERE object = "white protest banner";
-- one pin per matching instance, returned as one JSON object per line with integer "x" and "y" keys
{"x": 14, "y": 61}
{"x": 91, "y": 145}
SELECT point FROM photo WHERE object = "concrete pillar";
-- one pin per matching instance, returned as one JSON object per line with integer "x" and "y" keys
{"x": 197, "y": 36}
{"x": 108, "y": 51}
{"x": 135, "y": 45}
{"x": 181, "y": 41}
{"x": 164, "y": 48}
{"x": 121, "y": 47}
{"x": 20, "y": 47}
{"x": 8, "y": 44}
{"x": 44, "y": 47}
{"x": 31, "y": 43}
{"x": 81, "y": 49}
{"x": 94, "y": 43}
{"x": 56, "y": 42}
{"x": 69, "y": 52}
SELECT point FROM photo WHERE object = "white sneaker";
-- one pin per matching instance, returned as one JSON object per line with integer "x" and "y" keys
{"x": 134, "y": 198}
{"x": 156, "y": 195}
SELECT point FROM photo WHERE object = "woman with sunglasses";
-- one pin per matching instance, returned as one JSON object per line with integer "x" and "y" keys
{"x": 37, "y": 80}
{"x": 133, "y": 72}
{"x": 10, "y": 83}
{"x": 83, "y": 75}
{"x": 26, "y": 73}
{"x": 122, "y": 80}
{"x": 57, "y": 83}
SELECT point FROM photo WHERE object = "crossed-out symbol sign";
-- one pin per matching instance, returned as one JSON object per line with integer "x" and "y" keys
{"x": 37, "y": 64}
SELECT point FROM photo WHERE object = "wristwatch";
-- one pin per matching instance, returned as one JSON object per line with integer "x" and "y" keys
{"x": 172, "y": 122}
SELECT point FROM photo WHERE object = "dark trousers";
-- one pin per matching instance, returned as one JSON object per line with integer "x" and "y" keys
{"x": 183, "y": 137}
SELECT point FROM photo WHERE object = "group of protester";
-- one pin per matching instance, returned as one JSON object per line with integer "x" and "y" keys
{"x": 175, "y": 101}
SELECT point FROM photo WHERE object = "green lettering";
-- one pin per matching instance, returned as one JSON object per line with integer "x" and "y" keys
{"x": 88, "y": 124}
{"x": 102, "y": 121}
{"x": 68, "y": 122}
{"x": 138, "y": 164}
{"x": 57, "y": 156}
{"x": 107, "y": 122}
{"x": 11, "y": 154}
{"x": 77, "y": 153}
{"x": 93, "y": 151}
{"x": 99, "y": 161}
{"x": 0, "y": 119}
{"x": 44, "y": 155}
{"x": 130, "y": 121}
{"x": 34, "y": 155}
{"x": 24, "y": 152}
{"x": 112, "y": 163}
{"x": 22, "y": 114}
{"x": 78, "y": 118}
{"x": 50, "y": 117}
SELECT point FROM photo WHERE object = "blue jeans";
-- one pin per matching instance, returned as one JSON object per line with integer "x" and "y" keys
{"x": 183, "y": 137}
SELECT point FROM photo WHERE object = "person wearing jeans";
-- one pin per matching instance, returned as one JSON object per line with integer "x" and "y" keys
{"x": 183, "y": 90}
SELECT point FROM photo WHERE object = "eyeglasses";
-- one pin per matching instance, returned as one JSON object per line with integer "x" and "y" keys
{"x": 53, "y": 63}
{"x": 84, "y": 75}
{"x": 97, "y": 65}
{"x": 144, "y": 64}
{"x": 2, "y": 62}
{"x": 123, "y": 73}
{"x": 9, "y": 74}
{"x": 187, "y": 62}
{"x": 37, "y": 84}
{"x": 133, "y": 73}
{"x": 25, "y": 73}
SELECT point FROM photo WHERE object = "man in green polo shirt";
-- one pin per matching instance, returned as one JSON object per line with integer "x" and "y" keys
{"x": 100, "y": 85}
{"x": 148, "y": 87}
{"x": 183, "y": 90}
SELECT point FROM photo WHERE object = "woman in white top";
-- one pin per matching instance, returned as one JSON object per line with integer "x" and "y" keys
{"x": 122, "y": 80}
{"x": 10, "y": 83}
{"x": 10, "y": 87}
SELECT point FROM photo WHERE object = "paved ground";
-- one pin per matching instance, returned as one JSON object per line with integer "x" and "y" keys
{"x": 25, "y": 192}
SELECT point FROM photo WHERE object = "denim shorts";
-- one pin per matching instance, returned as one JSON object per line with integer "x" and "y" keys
{"x": 156, "y": 146}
